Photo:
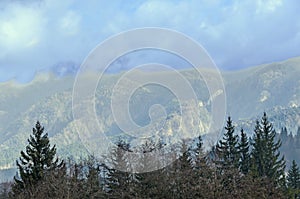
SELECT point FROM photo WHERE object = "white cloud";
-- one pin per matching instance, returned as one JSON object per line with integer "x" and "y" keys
{"x": 70, "y": 23}
{"x": 265, "y": 6}
{"x": 41, "y": 33}
{"x": 20, "y": 27}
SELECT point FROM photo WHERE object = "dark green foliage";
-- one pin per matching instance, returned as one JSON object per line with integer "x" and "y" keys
{"x": 258, "y": 153}
{"x": 265, "y": 154}
{"x": 38, "y": 159}
{"x": 293, "y": 180}
{"x": 227, "y": 148}
{"x": 150, "y": 182}
{"x": 92, "y": 186}
{"x": 199, "y": 147}
{"x": 243, "y": 147}
{"x": 199, "y": 154}
{"x": 195, "y": 173}
{"x": 181, "y": 172}
{"x": 185, "y": 159}
{"x": 120, "y": 180}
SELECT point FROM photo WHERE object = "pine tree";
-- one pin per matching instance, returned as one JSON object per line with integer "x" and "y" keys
{"x": 257, "y": 166}
{"x": 93, "y": 188}
{"x": 146, "y": 160}
{"x": 120, "y": 181}
{"x": 200, "y": 156}
{"x": 265, "y": 153}
{"x": 149, "y": 183}
{"x": 228, "y": 160}
{"x": 243, "y": 146}
{"x": 199, "y": 146}
{"x": 227, "y": 148}
{"x": 293, "y": 180}
{"x": 180, "y": 172}
{"x": 38, "y": 159}
{"x": 202, "y": 171}
{"x": 185, "y": 160}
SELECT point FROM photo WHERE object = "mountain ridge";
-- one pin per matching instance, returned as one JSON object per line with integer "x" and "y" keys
{"x": 274, "y": 88}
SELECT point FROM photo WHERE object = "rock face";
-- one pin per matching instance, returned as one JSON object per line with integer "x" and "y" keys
{"x": 274, "y": 88}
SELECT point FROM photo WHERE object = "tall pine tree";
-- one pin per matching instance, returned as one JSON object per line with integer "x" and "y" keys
{"x": 293, "y": 180}
{"x": 227, "y": 148}
{"x": 120, "y": 181}
{"x": 243, "y": 146}
{"x": 265, "y": 154}
{"x": 185, "y": 160}
{"x": 199, "y": 153}
{"x": 38, "y": 159}
{"x": 182, "y": 172}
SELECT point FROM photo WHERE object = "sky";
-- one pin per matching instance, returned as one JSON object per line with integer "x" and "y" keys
{"x": 36, "y": 35}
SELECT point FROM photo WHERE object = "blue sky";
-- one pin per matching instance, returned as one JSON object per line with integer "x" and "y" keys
{"x": 39, "y": 34}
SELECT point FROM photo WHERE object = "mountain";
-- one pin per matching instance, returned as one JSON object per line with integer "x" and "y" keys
{"x": 274, "y": 88}
{"x": 263, "y": 87}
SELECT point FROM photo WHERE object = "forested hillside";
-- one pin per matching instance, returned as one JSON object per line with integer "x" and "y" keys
{"x": 236, "y": 166}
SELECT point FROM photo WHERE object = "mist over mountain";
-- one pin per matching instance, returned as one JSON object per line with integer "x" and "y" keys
{"x": 274, "y": 88}
{"x": 65, "y": 68}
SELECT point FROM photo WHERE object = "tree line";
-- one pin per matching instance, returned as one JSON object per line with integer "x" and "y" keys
{"x": 238, "y": 166}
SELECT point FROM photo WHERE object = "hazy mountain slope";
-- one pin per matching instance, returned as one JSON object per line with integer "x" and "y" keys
{"x": 274, "y": 88}
{"x": 260, "y": 88}
{"x": 17, "y": 98}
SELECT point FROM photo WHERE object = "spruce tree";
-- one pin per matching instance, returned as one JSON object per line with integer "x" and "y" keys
{"x": 228, "y": 159}
{"x": 119, "y": 181}
{"x": 149, "y": 183}
{"x": 202, "y": 171}
{"x": 93, "y": 188}
{"x": 243, "y": 146}
{"x": 199, "y": 147}
{"x": 38, "y": 159}
{"x": 185, "y": 160}
{"x": 265, "y": 153}
{"x": 181, "y": 173}
{"x": 227, "y": 148}
{"x": 293, "y": 180}
{"x": 257, "y": 166}
{"x": 200, "y": 156}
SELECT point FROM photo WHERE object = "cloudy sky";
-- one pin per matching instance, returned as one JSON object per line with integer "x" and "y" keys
{"x": 38, "y": 34}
